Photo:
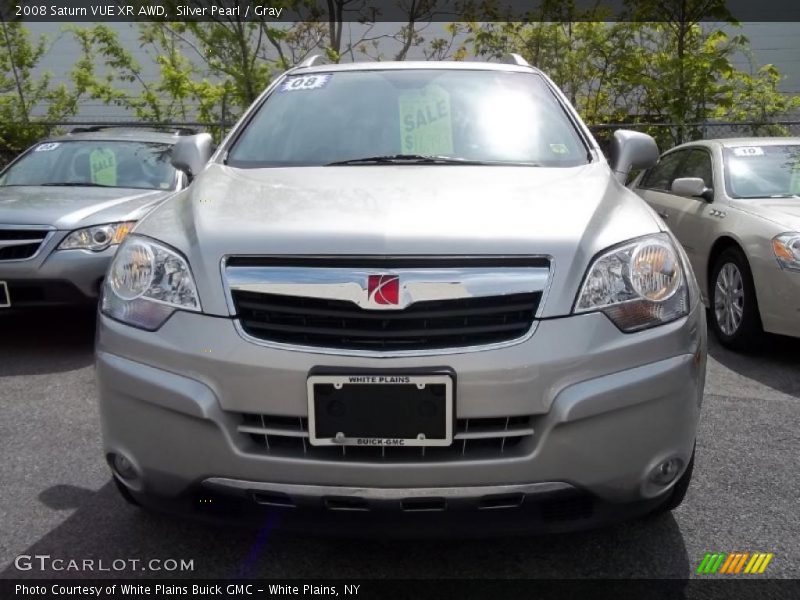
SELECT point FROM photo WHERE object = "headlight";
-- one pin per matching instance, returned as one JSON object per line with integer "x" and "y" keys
{"x": 97, "y": 238}
{"x": 638, "y": 284}
{"x": 146, "y": 283}
{"x": 787, "y": 250}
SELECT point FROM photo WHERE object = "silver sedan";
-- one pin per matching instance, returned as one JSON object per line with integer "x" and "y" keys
{"x": 735, "y": 206}
{"x": 67, "y": 202}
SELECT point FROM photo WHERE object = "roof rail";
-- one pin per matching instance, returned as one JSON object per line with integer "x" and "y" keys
{"x": 516, "y": 59}
{"x": 148, "y": 127}
{"x": 309, "y": 61}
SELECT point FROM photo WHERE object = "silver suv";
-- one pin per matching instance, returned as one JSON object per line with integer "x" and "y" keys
{"x": 403, "y": 288}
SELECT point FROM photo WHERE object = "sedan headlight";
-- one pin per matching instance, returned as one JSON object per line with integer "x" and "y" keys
{"x": 787, "y": 250}
{"x": 146, "y": 283}
{"x": 97, "y": 238}
{"x": 639, "y": 284}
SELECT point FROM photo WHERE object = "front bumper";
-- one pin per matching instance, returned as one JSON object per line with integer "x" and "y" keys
{"x": 56, "y": 277}
{"x": 778, "y": 293}
{"x": 606, "y": 408}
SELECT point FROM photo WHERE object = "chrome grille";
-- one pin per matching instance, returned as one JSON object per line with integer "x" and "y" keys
{"x": 370, "y": 305}
{"x": 20, "y": 243}
{"x": 474, "y": 439}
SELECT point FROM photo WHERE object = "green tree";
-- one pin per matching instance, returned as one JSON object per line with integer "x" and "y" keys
{"x": 179, "y": 93}
{"x": 671, "y": 62}
{"x": 28, "y": 101}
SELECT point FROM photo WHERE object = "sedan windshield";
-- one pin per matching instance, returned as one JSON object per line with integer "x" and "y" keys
{"x": 763, "y": 171}
{"x": 408, "y": 117}
{"x": 94, "y": 163}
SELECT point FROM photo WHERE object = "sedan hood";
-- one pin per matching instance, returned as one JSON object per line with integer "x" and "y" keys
{"x": 783, "y": 211}
{"x": 74, "y": 207}
{"x": 568, "y": 214}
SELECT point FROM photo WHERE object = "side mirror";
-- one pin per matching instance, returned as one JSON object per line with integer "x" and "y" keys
{"x": 631, "y": 150}
{"x": 191, "y": 153}
{"x": 693, "y": 187}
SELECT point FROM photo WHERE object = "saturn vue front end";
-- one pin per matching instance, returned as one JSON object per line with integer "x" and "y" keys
{"x": 414, "y": 290}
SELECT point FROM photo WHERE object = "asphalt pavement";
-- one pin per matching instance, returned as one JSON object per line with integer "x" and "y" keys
{"x": 56, "y": 497}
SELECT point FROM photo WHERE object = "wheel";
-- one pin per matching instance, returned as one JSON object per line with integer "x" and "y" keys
{"x": 126, "y": 493}
{"x": 678, "y": 492}
{"x": 734, "y": 308}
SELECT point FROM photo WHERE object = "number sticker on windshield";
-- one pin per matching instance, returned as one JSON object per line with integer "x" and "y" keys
{"x": 748, "y": 151}
{"x": 46, "y": 147}
{"x": 305, "y": 82}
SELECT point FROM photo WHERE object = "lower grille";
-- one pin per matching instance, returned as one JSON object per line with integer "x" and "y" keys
{"x": 424, "y": 325}
{"x": 474, "y": 439}
{"x": 19, "y": 244}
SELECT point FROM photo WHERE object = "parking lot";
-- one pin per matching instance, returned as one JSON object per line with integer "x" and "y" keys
{"x": 56, "y": 497}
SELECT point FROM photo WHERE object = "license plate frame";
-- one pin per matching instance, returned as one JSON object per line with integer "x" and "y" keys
{"x": 442, "y": 404}
{"x": 5, "y": 297}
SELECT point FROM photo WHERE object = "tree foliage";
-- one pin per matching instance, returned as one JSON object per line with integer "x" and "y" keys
{"x": 670, "y": 62}
{"x": 27, "y": 100}
{"x": 667, "y": 62}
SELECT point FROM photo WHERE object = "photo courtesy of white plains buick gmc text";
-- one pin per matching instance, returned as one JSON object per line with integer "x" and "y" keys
{"x": 400, "y": 295}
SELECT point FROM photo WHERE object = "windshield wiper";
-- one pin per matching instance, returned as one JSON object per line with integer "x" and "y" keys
{"x": 419, "y": 159}
{"x": 76, "y": 184}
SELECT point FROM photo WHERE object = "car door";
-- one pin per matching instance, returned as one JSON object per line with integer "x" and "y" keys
{"x": 655, "y": 183}
{"x": 691, "y": 218}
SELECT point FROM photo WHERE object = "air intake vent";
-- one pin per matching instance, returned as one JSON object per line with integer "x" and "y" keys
{"x": 20, "y": 244}
{"x": 421, "y": 326}
{"x": 475, "y": 439}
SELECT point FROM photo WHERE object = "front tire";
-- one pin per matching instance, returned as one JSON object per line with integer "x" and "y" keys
{"x": 125, "y": 493}
{"x": 734, "y": 308}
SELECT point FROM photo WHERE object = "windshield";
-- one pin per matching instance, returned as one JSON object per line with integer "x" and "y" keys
{"x": 120, "y": 164}
{"x": 492, "y": 117}
{"x": 762, "y": 171}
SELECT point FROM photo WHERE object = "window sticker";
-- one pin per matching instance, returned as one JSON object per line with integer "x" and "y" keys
{"x": 103, "y": 166}
{"x": 46, "y": 147}
{"x": 305, "y": 82}
{"x": 425, "y": 122}
{"x": 559, "y": 149}
{"x": 748, "y": 151}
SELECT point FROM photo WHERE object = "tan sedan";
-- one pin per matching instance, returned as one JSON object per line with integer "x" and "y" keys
{"x": 734, "y": 204}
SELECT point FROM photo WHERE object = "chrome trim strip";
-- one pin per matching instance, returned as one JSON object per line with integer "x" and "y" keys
{"x": 495, "y": 434}
{"x": 5, "y": 299}
{"x": 370, "y": 493}
{"x": 277, "y": 432}
{"x": 542, "y": 277}
{"x": 415, "y": 285}
{"x": 11, "y": 243}
{"x": 51, "y": 231}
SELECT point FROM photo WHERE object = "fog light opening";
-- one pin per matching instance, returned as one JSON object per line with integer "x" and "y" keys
{"x": 666, "y": 471}
{"x": 123, "y": 467}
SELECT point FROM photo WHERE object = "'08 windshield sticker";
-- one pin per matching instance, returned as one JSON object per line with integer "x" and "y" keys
{"x": 305, "y": 82}
{"x": 46, "y": 147}
{"x": 748, "y": 151}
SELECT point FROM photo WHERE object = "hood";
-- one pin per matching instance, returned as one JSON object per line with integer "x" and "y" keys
{"x": 783, "y": 211}
{"x": 568, "y": 214}
{"x": 74, "y": 207}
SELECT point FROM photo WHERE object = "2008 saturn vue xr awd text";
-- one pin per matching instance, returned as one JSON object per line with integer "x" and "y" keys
{"x": 406, "y": 289}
